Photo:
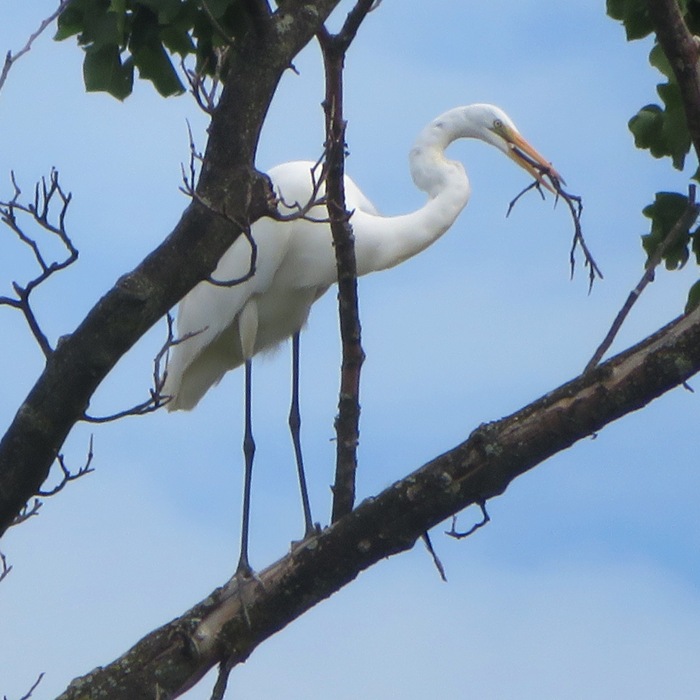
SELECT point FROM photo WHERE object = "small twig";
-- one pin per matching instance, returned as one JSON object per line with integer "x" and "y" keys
{"x": 301, "y": 211}
{"x": 29, "y": 693}
{"x": 216, "y": 24}
{"x": 436, "y": 560}
{"x": 189, "y": 178}
{"x": 205, "y": 98}
{"x": 156, "y": 400}
{"x": 460, "y": 535}
{"x": 535, "y": 184}
{"x": 5, "y": 568}
{"x": 27, "y": 512}
{"x": 11, "y": 58}
{"x": 685, "y": 221}
{"x": 225, "y": 668}
{"x": 575, "y": 205}
{"x": 189, "y": 188}
{"x": 67, "y": 474}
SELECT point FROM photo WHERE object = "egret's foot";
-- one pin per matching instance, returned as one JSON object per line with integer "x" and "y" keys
{"x": 244, "y": 577}
{"x": 311, "y": 533}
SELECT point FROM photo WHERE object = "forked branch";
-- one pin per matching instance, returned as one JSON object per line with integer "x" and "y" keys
{"x": 67, "y": 475}
{"x": 575, "y": 206}
{"x": 48, "y": 194}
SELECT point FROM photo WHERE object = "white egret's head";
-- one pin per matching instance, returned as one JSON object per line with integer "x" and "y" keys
{"x": 492, "y": 125}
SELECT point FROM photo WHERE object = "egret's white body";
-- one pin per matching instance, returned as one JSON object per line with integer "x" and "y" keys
{"x": 296, "y": 260}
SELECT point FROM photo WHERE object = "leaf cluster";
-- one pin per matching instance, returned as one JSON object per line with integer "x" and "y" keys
{"x": 119, "y": 36}
{"x": 662, "y": 129}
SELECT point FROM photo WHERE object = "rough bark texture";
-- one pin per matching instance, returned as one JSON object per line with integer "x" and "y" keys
{"x": 228, "y": 183}
{"x": 172, "y": 658}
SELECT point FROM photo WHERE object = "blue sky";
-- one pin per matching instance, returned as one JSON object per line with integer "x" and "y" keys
{"x": 586, "y": 584}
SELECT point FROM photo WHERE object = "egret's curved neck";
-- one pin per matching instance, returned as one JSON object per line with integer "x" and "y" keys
{"x": 381, "y": 242}
{"x": 430, "y": 170}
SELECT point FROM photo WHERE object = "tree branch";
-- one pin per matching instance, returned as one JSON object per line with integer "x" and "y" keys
{"x": 347, "y": 422}
{"x": 11, "y": 58}
{"x": 174, "y": 657}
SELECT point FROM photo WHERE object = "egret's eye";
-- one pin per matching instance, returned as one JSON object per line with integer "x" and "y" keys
{"x": 497, "y": 124}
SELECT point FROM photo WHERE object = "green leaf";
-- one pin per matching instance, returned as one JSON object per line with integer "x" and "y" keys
{"x": 103, "y": 71}
{"x": 658, "y": 59}
{"x": 165, "y": 10}
{"x": 154, "y": 65}
{"x": 664, "y": 132}
{"x": 118, "y": 8}
{"x": 674, "y": 129}
{"x": 693, "y": 297}
{"x": 70, "y": 23}
{"x": 647, "y": 127}
{"x": 634, "y": 15}
{"x": 218, "y": 7}
{"x": 120, "y": 35}
{"x": 667, "y": 209}
{"x": 177, "y": 41}
{"x": 150, "y": 57}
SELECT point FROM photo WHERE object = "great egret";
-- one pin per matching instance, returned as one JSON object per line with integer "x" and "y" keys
{"x": 296, "y": 264}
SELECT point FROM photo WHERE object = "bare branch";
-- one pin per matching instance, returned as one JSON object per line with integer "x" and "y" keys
{"x": 46, "y": 192}
{"x": 347, "y": 424}
{"x": 685, "y": 221}
{"x": 5, "y": 568}
{"x": 461, "y": 535}
{"x": 354, "y": 19}
{"x": 67, "y": 474}
{"x": 157, "y": 399}
{"x": 225, "y": 668}
{"x": 436, "y": 559}
{"x": 11, "y": 58}
{"x": 29, "y": 693}
{"x": 575, "y": 205}
{"x": 27, "y": 512}
{"x": 189, "y": 188}
{"x": 301, "y": 211}
{"x": 216, "y": 24}
{"x": 205, "y": 97}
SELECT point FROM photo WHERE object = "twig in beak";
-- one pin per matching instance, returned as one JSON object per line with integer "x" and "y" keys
{"x": 573, "y": 202}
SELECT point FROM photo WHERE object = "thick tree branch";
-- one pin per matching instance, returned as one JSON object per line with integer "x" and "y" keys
{"x": 682, "y": 51}
{"x": 172, "y": 658}
{"x": 228, "y": 182}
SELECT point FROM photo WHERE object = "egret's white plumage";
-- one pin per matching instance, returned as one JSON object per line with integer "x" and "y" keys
{"x": 296, "y": 261}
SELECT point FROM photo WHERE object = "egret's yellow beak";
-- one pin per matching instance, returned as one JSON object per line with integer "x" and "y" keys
{"x": 531, "y": 160}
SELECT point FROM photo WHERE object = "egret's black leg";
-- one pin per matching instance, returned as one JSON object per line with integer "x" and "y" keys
{"x": 295, "y": 428}
{"x": 244, "y": 567}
